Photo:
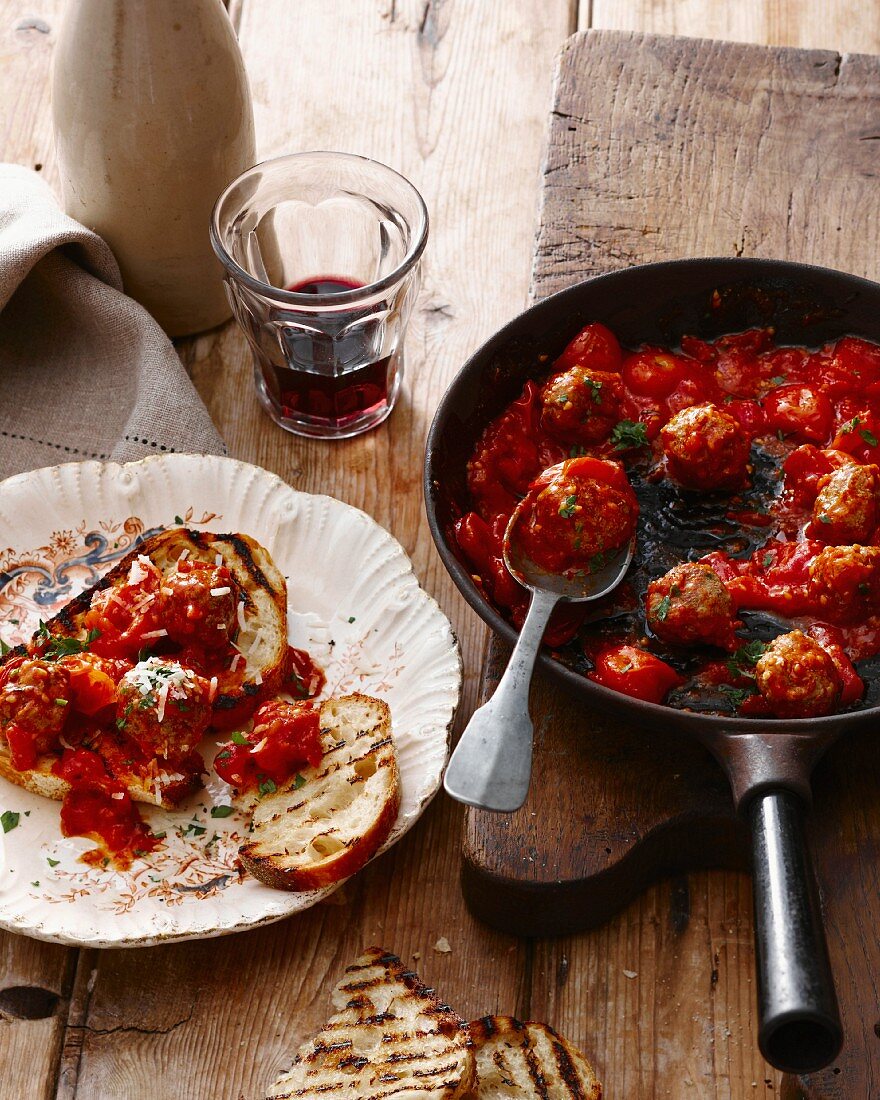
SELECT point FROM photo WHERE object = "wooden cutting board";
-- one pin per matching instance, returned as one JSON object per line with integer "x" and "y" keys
{"x": 661, "y": 148}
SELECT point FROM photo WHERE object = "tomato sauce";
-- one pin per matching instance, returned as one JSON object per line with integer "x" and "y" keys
{"x": 805, "y": 412}
{"x": 125, "y": 705}
{"x": 285, "y": 738}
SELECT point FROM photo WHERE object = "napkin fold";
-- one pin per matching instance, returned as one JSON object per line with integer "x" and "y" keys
{"x": 85, "y": 371}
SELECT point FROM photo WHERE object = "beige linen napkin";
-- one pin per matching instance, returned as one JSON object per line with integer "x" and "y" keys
{"x": 85, "y": 372}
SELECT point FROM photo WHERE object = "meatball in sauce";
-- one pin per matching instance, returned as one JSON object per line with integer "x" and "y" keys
{"x": 690, "y": 605}
{"x": 705, "y": 448}
{"x": 797, "y": 678}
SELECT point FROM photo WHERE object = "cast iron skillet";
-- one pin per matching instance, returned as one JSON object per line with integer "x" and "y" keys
{"x": 767, "y": 761}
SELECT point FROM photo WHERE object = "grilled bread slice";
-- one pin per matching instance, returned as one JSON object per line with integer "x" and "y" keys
{"x": 389, "y": 1037}
{"x": 261, "y": 639}
{"x": 529, "y": 1062}
{"x": 314, "y": 833}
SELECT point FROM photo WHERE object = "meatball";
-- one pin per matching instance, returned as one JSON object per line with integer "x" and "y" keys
{"x": 197, "y": 604}
{"x": 581, "y": 405}
{"x": 845, "y": 510}
{"x": 164, "y": 707}
{"x": 690, "y": 605}
{"x": 705, "y": 448}
{"x": 797, "y": 678}
{"x": 575, "y": 513}
{"x": 34, "y": 697}
{"x": 844, "y": 582}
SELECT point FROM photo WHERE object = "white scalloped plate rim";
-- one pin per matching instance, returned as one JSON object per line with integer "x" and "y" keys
{"x": 373, "y": 628}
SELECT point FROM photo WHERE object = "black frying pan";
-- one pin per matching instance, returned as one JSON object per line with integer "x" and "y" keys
{"x": 768, "y": 761}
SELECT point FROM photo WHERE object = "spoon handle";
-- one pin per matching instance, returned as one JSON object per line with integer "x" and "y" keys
{"x": 492, "y": 762}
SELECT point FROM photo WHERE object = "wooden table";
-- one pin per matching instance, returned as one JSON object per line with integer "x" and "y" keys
{"x": 455, "y": 96}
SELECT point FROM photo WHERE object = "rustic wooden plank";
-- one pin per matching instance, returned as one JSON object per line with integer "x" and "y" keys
{"x": 752, "y": 138}
{"x": 409, "y": 84}
{"x": 35, "y": 978}
{"x": 813, "y": 24}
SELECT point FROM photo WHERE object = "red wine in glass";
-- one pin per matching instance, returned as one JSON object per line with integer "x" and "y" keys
{"x": 315, "y": 386}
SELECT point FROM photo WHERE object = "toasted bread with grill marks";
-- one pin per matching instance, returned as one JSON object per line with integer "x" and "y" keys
{"x": 315, "y": 833}
{"x": 529, "y": 1062}
{"x": 389, "y": 1038}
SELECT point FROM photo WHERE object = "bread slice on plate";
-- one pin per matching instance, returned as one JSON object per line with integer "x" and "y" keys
{"x": 327, "y": 822}
{"x": 255, "y": 673}
{"x": 529, "y": 1062}
{"x": 390, "y": 1037}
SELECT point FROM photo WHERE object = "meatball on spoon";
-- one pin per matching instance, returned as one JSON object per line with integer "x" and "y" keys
{"x": 492, "y": 763}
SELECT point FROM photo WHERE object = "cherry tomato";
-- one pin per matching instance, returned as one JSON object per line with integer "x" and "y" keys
{"x": 801, "y": 411}
{"x": 594, "y": 346}
{"x": 750, "y": 414}
{"x": 652, "y": 373}
{"x": 635, "y": 672}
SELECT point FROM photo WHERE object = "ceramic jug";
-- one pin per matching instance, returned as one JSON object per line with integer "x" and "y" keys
{"x": 152, "y": 115}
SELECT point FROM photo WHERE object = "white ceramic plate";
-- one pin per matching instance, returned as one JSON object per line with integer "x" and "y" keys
{"x": 354, "y": 604}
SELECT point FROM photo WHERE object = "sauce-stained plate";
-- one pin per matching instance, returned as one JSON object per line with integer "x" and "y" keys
{"x": 353, "y": 602}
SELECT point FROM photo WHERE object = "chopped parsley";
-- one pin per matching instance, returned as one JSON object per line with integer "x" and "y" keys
{"x": 193, "y": 828}
{"x": 595, "y": 390}
{"x": 566, "y": 509}
{"x": 351, "y": 618}
{"x": 767, "y": 561}
{"x": 221, "y": 811}
{"x": 629, "y": 433}
{"x": 597, "y": 562}
{"x": 868, "y": 437}
{"x": 737, "y": 696}
{"x": 4, "y": 648}
{"x": 9, "y": 820}
{"x": 742, "y": 662}
{"x": 60, "y": 702}
{"x": 662, "y": 609}
{"x": 850, "y": 425}
{"x": 238, "y": 738}
{"x": 52, "y": 862}
{"x": 58, "y": 646}
{"x": 267, "y": 787}
{"x": 300, "y": 781}
{"x": 778, "y": 379}
{"x": 823, "y": 518}
{"x": 178, "y": 519}
{"x": 562, "y": 399}
{"x": 577, "y": 451}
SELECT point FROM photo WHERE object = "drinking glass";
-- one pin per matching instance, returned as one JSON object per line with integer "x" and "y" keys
{"x": 321, "y": 254}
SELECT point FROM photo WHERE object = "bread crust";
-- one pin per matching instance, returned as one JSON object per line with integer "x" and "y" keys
{"x": 359, "y": 765}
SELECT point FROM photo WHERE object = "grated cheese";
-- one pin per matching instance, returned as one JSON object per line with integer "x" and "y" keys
{"x": 242, "y": 625}
{"x": 221, "y": 591}
{"x": 118, "y": 795}
{"x": 258, "y": 677}
{"x": 155, "y": 634}
{"x": 212, "y": 689}
{"x": 184, "y": 554}
{"x": 218, "y": 560}
{"x": 235, "y": 661}
{"x": 260, "y": 745}
{"x": 162, "y": 701}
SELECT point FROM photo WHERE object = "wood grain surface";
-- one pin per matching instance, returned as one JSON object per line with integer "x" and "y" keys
{"x": 455, "y": 95}
{"x": 774, "y": 151}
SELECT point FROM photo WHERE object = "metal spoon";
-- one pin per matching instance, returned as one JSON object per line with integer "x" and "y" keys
{"x": 492, "y": 762}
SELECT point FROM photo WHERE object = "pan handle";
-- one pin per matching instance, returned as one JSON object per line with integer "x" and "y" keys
{"x": 799, "y": 1022}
